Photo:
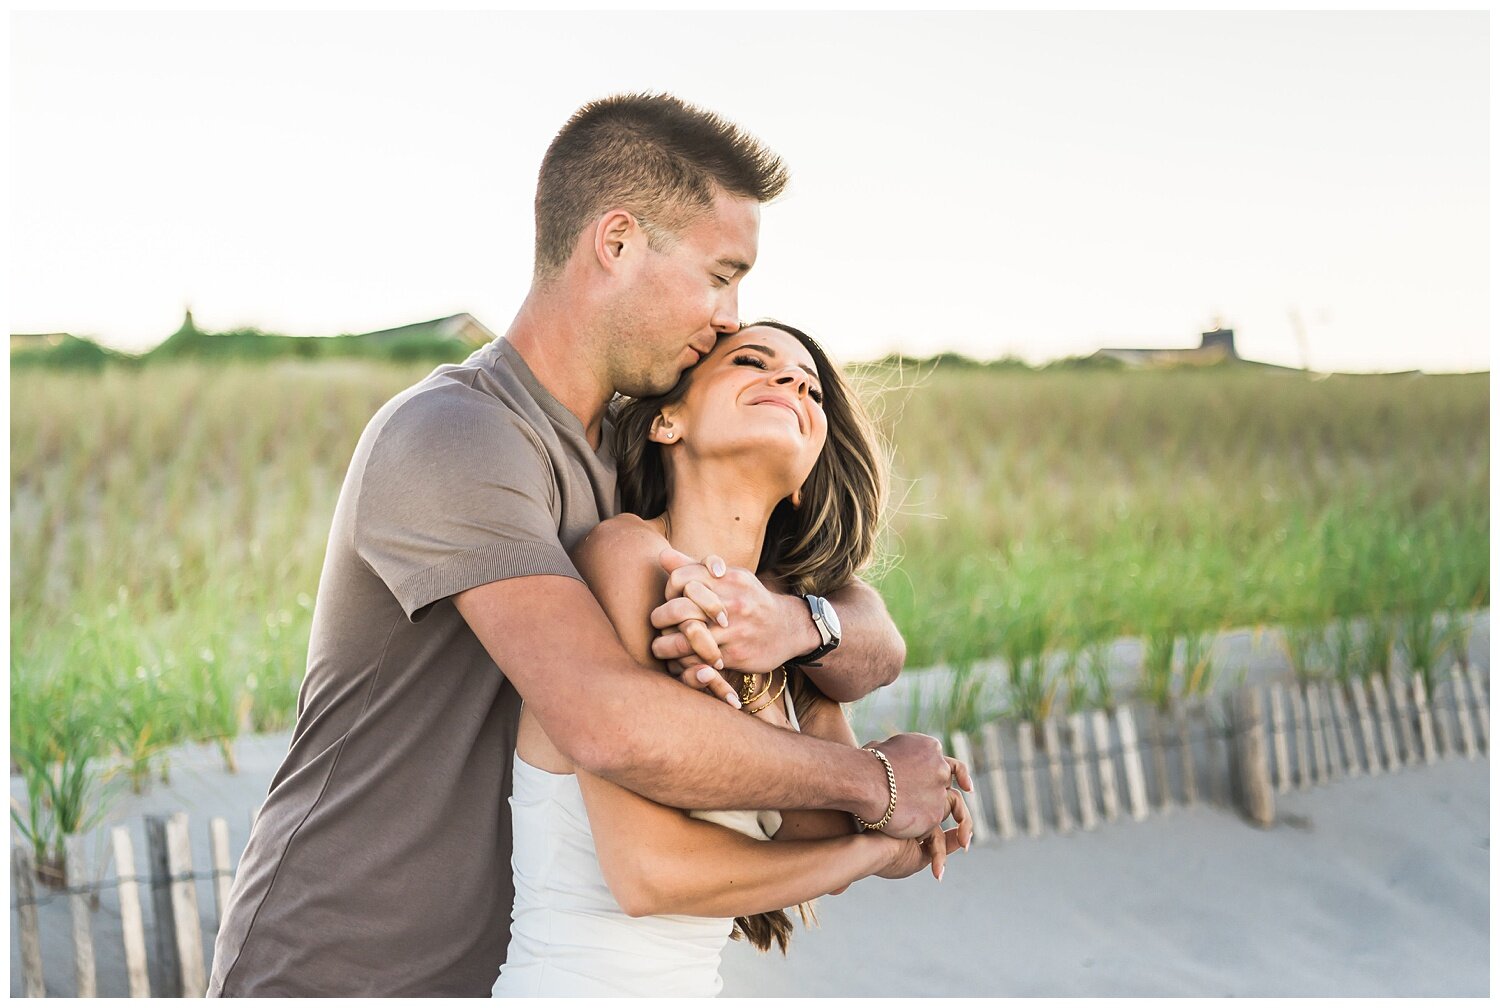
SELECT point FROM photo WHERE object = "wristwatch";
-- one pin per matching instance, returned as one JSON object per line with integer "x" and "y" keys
{"x": 827, "y": 622}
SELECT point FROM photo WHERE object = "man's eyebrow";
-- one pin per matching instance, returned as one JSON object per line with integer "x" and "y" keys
{"x": 772, "y": 353}
{"x": 739, "y": 265}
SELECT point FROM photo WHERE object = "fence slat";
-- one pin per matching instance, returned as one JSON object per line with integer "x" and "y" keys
{"x": 1105, "y": 762}
{"x": 1278, "y": 738}
{"x": 218, "y": 846}
{"x": 85, "y": 976}
{"x": 1250, "y": 749}
{"x": 1222, "y": 754}
{"x": 958, "y": 745}
{"x": 185, "y": 906}
{"x": 1424, "y": 718}
{"x": 1053, "y": 750}
{"x": 1331, "y": 728}
{"x": 23, "y": 882}
{"x": 1442, "y": 719}
{"x": 1135, "y": 774}
{"x": 1350, "y": 759}
{"x": 1158, "y": 745}
{"x": 1400, "y": 703}
{"x": 1383, "y": 716}
{"x": 1005, "y": 822}
{"x": 1079, "y": 743}
{"x": 1366, "y": 726}
{"x": 1316, "y": 735}
{"x": 1299, "y": 738}
{"x": 132, "y": 929}
{"x": 1461, "y": 709}
{"x": 1481, "y": 706}
{"x": 1183, "y": 716}
{"x": 1026, "y": 743}
{"x": 168, "y": 973}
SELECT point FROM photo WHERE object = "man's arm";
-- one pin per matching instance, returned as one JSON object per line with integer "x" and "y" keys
{"x": 643, "y": 731}
{"x": 768, "y": 627}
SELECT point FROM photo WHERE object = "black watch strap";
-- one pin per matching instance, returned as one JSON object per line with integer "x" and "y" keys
{"x": 829, "y": 633}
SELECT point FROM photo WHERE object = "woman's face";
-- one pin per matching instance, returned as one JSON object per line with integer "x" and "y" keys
{"x": 757, "y": 392}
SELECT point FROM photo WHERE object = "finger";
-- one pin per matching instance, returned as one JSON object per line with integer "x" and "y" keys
{"x": 716, "y": 565}
{"x": 704, "y": 645}
{"x": 705, "y": 599}
{"x": 671, "y": 559}
{"x": 670, "y": 645}
{"x": 704, "y": 678}
{"x": 937, "y": 846}
{"x": 960, "y": 772}
{"x": 951, "y": 840}
{"x": 678, "y": 610}
{"x": 964, "y": 820}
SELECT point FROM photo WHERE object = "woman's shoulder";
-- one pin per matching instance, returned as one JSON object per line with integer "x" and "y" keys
{"x": 617, "y": 546}
{"x": 622, "y": 537}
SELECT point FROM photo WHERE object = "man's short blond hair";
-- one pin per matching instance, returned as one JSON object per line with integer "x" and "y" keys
{"x": 653, "y": 155}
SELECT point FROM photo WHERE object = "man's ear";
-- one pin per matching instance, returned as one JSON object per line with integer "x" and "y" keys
{"x": 664, "y": 431}
{"x": 615, "y": 234}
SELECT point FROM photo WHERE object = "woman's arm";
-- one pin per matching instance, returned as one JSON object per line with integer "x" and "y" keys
{"x": 658, "y": 860}
{"x": 825, "y": 720}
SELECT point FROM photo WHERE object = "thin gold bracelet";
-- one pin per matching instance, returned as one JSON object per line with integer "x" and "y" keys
{"x": 784, "y": 677}
{"x": 890, "y": 777}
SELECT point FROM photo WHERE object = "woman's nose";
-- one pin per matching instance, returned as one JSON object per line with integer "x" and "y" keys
{"x": 794, "y": 377}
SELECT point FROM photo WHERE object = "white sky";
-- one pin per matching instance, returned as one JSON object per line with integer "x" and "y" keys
{"x": 1028, "y": 184}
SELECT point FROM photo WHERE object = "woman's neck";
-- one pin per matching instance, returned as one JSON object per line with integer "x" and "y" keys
{"x": 722, "y": 513}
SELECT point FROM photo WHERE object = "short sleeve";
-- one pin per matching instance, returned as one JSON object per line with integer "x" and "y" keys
{"x": 456, "y": 492}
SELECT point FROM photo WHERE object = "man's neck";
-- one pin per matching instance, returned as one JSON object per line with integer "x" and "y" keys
{"x": 560, "y": 355}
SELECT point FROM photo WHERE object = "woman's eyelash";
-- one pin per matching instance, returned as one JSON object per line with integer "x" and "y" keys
{"x": 756, "y": 362}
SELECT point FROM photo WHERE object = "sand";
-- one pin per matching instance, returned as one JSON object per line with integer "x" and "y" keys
{"x": 1364, "y": 887}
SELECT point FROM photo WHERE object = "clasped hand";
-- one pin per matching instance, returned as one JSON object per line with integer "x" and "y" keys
{"x": 717, "y": 617}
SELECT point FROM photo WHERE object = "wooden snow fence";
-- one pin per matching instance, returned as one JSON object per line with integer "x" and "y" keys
{"x": 169, "y": 957}
{"x": 1236, "y": 750}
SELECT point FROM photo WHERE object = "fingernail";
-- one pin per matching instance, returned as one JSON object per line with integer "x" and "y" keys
{"x": 734, "y": 701}
{"x": 718, "y": 569}
{"x": 719, "y": 664}
{"x": 723, "y": 619}
{"x": 940, "y": 873}
{"x": 705, "y": 674}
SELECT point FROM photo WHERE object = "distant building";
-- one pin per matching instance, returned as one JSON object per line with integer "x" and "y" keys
{"x": 36, "y": 341}
{"x": 1216, "y": 347}
{"x": 463, "y": 327}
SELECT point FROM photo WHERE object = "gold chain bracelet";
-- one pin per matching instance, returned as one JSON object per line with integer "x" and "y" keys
{"x": 890, "y": 777}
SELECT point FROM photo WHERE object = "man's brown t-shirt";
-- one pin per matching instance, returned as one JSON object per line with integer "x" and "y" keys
{"x": 380, "y": 861}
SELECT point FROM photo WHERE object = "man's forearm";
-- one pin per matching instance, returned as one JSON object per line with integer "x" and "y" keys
{"x": 752, "y": 764}
{"x": 871, "y": 652}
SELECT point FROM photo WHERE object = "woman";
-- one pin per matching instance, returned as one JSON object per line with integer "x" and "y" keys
{"x": 616, "y": 894}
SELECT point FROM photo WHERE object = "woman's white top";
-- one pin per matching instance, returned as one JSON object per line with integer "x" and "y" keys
{"x": 569, "y": 936}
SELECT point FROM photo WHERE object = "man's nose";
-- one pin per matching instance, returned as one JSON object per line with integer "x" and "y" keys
{"x": 726, "y": 318}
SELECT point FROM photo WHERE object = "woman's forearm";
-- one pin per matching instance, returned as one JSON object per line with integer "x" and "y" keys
{"x": 730, "y": 875}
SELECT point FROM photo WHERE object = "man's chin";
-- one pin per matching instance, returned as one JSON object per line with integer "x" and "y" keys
{"x": 645, "y": 386}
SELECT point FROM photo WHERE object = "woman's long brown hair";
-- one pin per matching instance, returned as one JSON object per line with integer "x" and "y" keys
{"x": 813, "y": 549}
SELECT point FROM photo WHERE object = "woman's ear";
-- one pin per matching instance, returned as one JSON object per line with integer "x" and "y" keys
{"x": 663, "y": 431}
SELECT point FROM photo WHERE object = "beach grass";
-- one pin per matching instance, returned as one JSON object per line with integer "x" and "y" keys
{"x": 168, "y": 525}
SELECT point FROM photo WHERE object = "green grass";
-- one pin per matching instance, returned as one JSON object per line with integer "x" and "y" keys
{"x": 169, "y": 521}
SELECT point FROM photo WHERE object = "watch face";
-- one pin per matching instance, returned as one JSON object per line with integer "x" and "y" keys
{"x": 831, "y": 618}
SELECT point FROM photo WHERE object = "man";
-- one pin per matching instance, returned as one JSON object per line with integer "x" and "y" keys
{"x": 380, "y": 862}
